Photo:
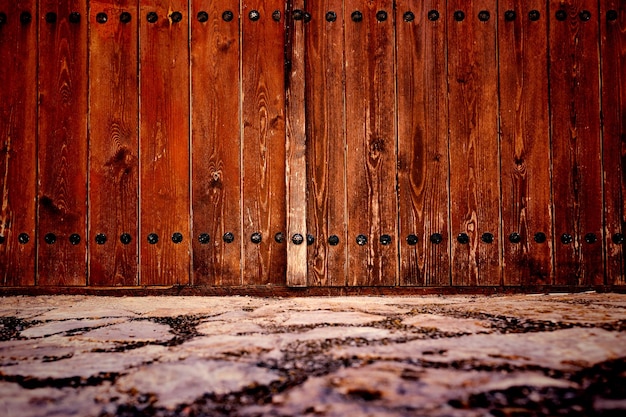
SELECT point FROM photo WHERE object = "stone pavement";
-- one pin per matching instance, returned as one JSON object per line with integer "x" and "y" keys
{"x": 523, "y": 355}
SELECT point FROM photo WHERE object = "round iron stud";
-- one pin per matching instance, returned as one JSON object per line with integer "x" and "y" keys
{"x": 177, "y": 237}
{"x": 126, "y": 238}
{"x": 50, "y": 238}
{"x": 463, "y": 238}
{"x": 487, "y": 237}
{"x": 297, "y": 14}
{"x": 591, "y": 238}
{"x": 356, "y": 16}
{"x": 279, "y": 237}
{"x": 74, "y": 239}
{"x": 408, "y": 16}
{"x": 560, "y": 15}
{"x": 515, "y": 237}
{"x": 484, "y": 15}
{"x": 585, "y": 15}
{"x": 459, "y": 16}
{"x": 23, "y": 238}
{"x": 310, "y": 239}
{"x": 153, "y": 238}
{"x": 612, "y": 15}
{"x": 618, "y": 239}
{"x": 74, "y": 17}
{"x": 26, "y": 18}
{"x": 202, "y": 16}
{"x": 307, "y": 17}
{"x": 331, "y": 16}
{"x": 227, "y": 16}
{"x": 540, "y": 237}
{"x": 152, "y": 17}
{"x": 381, "y": 15}
{"x": 276, "y": 15}
{"x": 3, "y": 18}
{"x": 333, "y": 240}
{"x": 361, "y": 240}
{"x": 125, "y": 17}
{"x": 510, "y": 15}
{"x": 436, "y": 238}
{"x": 204, "y": 238}
{"x": 412, "y": 240}
{"x": 534, "y": 15}
{"x": 297, "y": 239}
{"x": 101, "y": 239}
{"x": 385, "y": 240}
{"x": 566, "y": 238}
{"x": 433, "y": 15}
{"x": 51, "y": 17}
{"x": 2, "y": 239}
{"x": 228, "y": 237}
{"x": 254, "y": 15}
{"x": 102, "y": 18}
{"x": 256, "y": 238}
{"x": 176, "y": 17}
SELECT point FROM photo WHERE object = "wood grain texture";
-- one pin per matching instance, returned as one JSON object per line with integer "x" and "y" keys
{"x": 216, "y": 143}
{"x": 613, "y": 55}
{"x": 371, "y": 143}
{"x": 164, "y": 143}
{"x": 18, "y": 133}
{"x": 62, "y": 150}
{"x": 423, "y": 171}
{"x": 525, "y": 142}
{"x": 576, "y": 152}
{"x": 113, "y": 143}
{"x": 263, "y": 143}
{"x": 326, "y": 144}
{"x": 474, "y": 159}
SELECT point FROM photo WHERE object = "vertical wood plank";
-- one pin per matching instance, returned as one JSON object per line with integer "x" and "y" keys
{"x": 525, "y": 142}
{"x": 576, "y": 152}
{"x": 371, "y": 143}
{"x": 295, "y": 169}
{"x": 613, "y": 52}
{"x": 263, "y": 159}
{"x": 423, "y": 157}
{"x": 164, "y": 143}
{"x": 216, "y": 142}
{"x": 474, "y": 159}
{"x": 18, "y": 133}
{"x": 62, "y": 152}
{"x": 326, "y": 144}
{"x": 113, "y": 142}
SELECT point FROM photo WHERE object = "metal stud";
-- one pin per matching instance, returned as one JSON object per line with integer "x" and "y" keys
{"x": 540, "y": 237}
{"x": 310, "y": 239}
{"x": 125, "y": 17}
{"x": 515, "y": 237}
{"x": 510, "y": 15}
{"x": 227, "y": 16}
{"x": 361, "y": 240}
{"x": 23, "y": 238}
{"x": 3, "y": 18}
{"x": 297, "y": 14}
{"x": 534, "y": 15}
{"x": 412, "y": 240}
{"x": 254, "y": 15}
{"x": 356, "y": 16}
{"x": 177, "y": 237}
{"x": 566, "y": 238}
{"x": 2, "y": 239}
{"x": 74, "y": 239}
{"x": 459, "y": 15}
{"x": 618, "y": 239}
{"x": 204, "y": 238}
{"x": 297, "y": 239}
{"x": 276, "y": 15}
{"x": 463, "y": 238}
{"x": 585, "y": 15}
{"x": 331, "y": 16}
{"x": 102, "y": 18}
{"x": 333, "y": 240}
{"x": 385, "y": 240}
{"x": 381, "y": 15}
{"x": 561, "y": 15}
{"x": 51, "y": 17}
{"x": 433, "y": 15}
{"x": 126, "y": 238}
{"x": 279, "y": 237}
{"x": 50, "y": 238}
{"x": 256, "y": 238}
{"x": 436, "y": 238}
{"x": 612, "y": 15}
{"x": 591, "y": 238}
{"x": 153, "y": 238}
{"x": 228, "y": 237}
{"x": 408, "y": 16}
{"x": 487, "y": 237}
{"x": 152, "y": 17}
{"x": 101, "y": 239}
{"x": 484, "y": 15}
{"x": 176, "y": 17}
{"x": 202, "y": 16}
{"x": 74, "y": 17}
{"x": 26, "y": 18}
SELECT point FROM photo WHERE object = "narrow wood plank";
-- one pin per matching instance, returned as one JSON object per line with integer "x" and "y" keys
{"x": 164, "y": 143}
{"x": 62, "y": 151}
{"x": 113, "y": 142}
{"x": 474, "y": 159}
{"x": 295, "y": 169}
{"x": 326, "y": 144}
{"x": 216, "y": 140}
{"x": 263, "y": 187}
{"x": 423, "y": 172}
{"x": 18, "y": 133}
{"x": 371, "y": 143}
{"x": 576, "y": 152}
{"x": 525, "y": 142}
{"x": 613, "y": 53}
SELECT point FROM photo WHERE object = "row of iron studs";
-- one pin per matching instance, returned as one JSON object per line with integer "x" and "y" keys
{"x": 356, "y": 16}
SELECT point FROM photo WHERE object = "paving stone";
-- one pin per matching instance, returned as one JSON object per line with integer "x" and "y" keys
{"x": 447, "y": 324}
{"x": 133, "y": 331}
{"x": 56, "y": 327}
{"x": 229, "y": 327}
{"x": 316, "y": 317}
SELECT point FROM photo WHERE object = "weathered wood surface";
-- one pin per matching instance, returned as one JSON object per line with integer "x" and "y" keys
{"x": 613, "y": 53}
{"x": 263, "y": 183}
{"x": 371, "y": 143}
{"x": 164, "y": 143}
{"x": 525, "y": 142}
{"x": 576, "y": 152}
{"x": 326, "y": 144}
{"x": 113, "y": 143}
{"x": 423, "y": 157}
{"x": 216, "y": 142}
{"x": 474, "y": 153}
{"x": 62, "y": 146}
{"x": 18, "y": 132}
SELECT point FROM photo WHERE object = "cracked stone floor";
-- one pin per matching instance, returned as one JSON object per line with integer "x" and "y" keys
{"x": 522, "y": 355}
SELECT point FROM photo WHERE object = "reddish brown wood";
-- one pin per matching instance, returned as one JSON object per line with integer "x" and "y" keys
{"x": 326, "y": 144}
{"x": 263, "y": 159}
{"x": 62, "y": 151}
{"x": 18, "y": 133}
{"x": 576, "y": 151}
{"x": 113, "y": 143}
{"x": 613, "y": 54}
{"x": 216, "y": 138}
{"x": 423, "y": 158}
{"x": 525, "y": 142}
{"x": 164, "y": 143}
{"x": 474, "y": 159}
{"x": 371, "y": 143}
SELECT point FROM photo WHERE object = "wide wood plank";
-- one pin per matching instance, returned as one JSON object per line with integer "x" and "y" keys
{"x": 525, "y": 142}
{"x": 263, "y": 185}
{"x": 62, "y": 150}
{"x": 164, "y": 143}
{"x": 326, "y": 144}
{"x": 113, "y": 142}
{"x": 18, "y": 134}
{"x": 474, "y": 159}
{"x": 216, "y": 143}
{"x": 371, "y": 143}
{"x": 423, "y": 157}
{"x": 576, "y": 152}
{"x": 613, "y": 53}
